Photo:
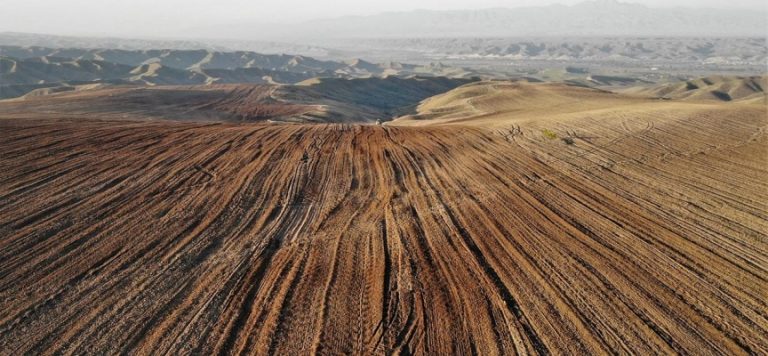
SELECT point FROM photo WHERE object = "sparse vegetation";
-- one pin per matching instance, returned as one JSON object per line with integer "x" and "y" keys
{"x": 549, "y": 134}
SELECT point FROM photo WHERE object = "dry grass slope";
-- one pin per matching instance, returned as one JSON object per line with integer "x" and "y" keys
{"x": 719, "y": 88}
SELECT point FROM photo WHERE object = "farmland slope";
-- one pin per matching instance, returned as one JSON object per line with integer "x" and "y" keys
{"x": 589, "y": 232}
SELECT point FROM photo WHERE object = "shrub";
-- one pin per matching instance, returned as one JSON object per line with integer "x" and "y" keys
{"x": 549, "y": 134}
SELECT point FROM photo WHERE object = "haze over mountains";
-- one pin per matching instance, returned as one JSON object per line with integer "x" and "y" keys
{"x": 700, "y": 49}
{"x": 676, "y": 50}
{"x": 605, "y": 36}
{"x": 253, "y": 22}
{"x": 590, "y": 18}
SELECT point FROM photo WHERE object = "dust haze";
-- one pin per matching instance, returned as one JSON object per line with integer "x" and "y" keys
{"x": 188, "y": 19}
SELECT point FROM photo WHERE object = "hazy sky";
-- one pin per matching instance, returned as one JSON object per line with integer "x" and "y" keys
{"x": 153, "y": 18}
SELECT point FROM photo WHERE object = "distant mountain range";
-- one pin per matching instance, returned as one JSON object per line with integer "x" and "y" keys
{"x": 23, "y": 69}
{"x": 21, "y": 39}
{"x": 590, "y": 18}
{"x": 700, "y": 50}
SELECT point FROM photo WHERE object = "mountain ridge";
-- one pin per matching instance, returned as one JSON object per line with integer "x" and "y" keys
{"x": 29, "y": 68}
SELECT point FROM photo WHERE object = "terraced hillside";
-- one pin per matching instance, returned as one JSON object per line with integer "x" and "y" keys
{"x": 586, "y": 232}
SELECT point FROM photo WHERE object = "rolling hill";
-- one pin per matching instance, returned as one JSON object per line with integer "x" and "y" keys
{"x": 517, "y": 218}
{"x": 493, "y": 103}
{"x": 722, "y": 88}
{"x": 513, "y": 102}
{"x": 329, "y": 100}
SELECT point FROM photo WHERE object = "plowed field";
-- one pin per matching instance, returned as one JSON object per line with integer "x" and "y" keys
{"x": 645, "y": 234}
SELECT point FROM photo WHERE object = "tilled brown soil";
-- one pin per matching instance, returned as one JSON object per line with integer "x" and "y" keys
{"x": 161, "y": 237}
{"x": 227, "y": 102}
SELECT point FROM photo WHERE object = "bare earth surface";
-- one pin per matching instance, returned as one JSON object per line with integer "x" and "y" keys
{"x": 646, "y": 235}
